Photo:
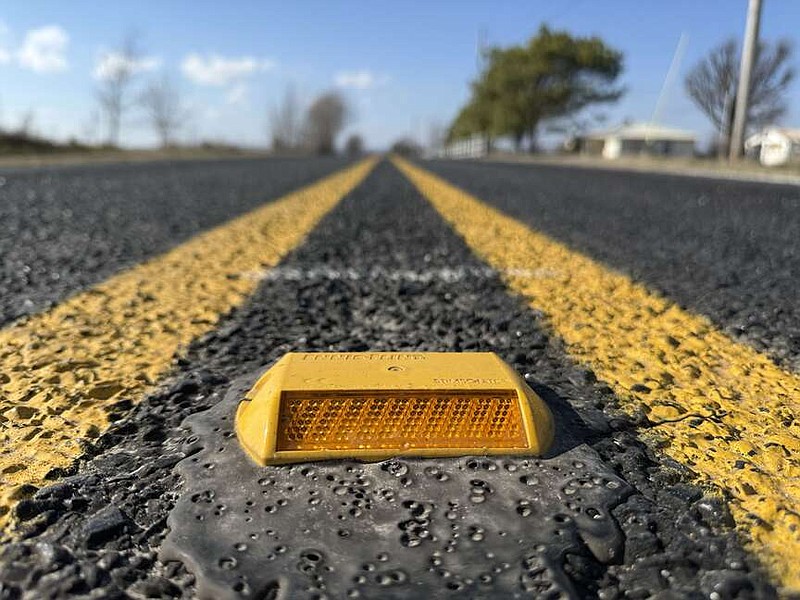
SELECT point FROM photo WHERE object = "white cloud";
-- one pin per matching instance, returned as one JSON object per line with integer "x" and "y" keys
{"x": 360, "y": 80}
{"x": 110, "y": 64}
{"x": 237, "y": 94}
{"x": 43, "y": 49}
{"x": 5, "y": 55}
{"x": 220, "y": 71}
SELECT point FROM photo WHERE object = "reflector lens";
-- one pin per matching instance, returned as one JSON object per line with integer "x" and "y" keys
{"x": 375, "y": 420}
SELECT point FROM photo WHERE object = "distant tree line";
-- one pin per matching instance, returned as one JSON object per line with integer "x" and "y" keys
{"x": 292, "y": 129}
{"x": 315, "y": 129}
{"x": 552, "y": 77}
{"x": 160, "y": 99}
{"x": 24, "y": 139}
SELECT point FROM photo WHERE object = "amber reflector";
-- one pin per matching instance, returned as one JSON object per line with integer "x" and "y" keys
{"x": 409, "y": 420}
{"x": 373, "y": 405}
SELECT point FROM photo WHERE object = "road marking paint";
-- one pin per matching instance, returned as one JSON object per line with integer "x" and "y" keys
{"x": 718, "y": 406}
{"x": 377, "y": 273}
{"x": 60, "y": 371}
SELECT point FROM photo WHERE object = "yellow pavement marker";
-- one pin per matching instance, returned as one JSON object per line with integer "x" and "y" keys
{"x": 721, "y": 408}
{"x": 60, "y": 370}
{"x": 378, "y": 405}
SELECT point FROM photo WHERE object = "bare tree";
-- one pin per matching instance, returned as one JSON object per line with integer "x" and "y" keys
{"x": 406, "y": 146}
{"x": 284, "y": 121}
{"x": 712, "y": 83}
{"x": 354, "y": 146}
{"x": 162, "y": 102}
{"x": 325, "y": 120}
{"x": 119, "y": 67}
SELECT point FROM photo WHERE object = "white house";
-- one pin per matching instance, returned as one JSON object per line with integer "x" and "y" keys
{"x": 775, "y": 146}
{"x": 636, "y": 139}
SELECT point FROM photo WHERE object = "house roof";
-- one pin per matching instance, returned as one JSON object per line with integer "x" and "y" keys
{"x": 792, "y": 134}
{"x": 644, "y": 131}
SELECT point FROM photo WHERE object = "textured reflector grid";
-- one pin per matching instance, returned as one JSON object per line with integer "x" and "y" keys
{"x": 376, "y": 420}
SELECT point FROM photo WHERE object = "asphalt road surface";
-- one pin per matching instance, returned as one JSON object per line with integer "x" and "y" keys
{"x": 66, "y": 228}
{"x": 726, "y": 250}
{"x": 611, "y": 512}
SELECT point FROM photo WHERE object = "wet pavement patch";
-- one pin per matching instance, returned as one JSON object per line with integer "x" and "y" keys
{"x": 410, "y": 528}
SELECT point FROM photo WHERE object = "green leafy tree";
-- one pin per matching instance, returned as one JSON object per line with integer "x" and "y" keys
{"x": 555, "y": 75}
{"x": 473, "y": 118}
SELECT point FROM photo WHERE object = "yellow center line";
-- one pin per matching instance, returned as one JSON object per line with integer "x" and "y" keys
{"x": 61, "y": 370}
{"x": 722, "y": 409}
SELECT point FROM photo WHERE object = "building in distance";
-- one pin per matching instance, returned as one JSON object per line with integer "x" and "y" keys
{"x": 775, "y": 146}
{"x": 634, "y": 139}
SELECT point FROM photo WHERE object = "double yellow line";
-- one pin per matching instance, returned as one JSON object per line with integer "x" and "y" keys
{"x": 717, "y": 406}
{"x": 61, "y": 370}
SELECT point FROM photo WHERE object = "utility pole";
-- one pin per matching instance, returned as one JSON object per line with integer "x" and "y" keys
{"x": 749, "y": 50}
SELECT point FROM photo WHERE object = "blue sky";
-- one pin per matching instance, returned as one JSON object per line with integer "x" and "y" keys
{"x": 404, "y": 66}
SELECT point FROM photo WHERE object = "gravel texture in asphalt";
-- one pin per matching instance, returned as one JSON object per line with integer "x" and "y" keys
{"x": 724, "y": 249}
{"x": 65, "y": 228}
{"x": 600, "y": 517}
